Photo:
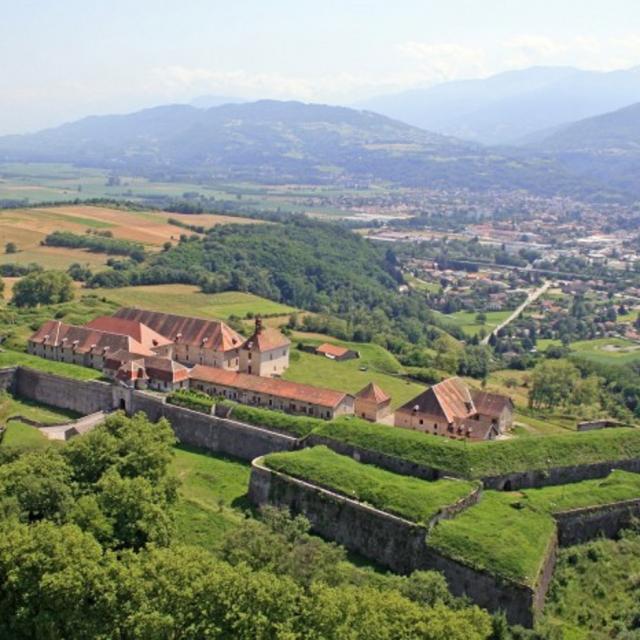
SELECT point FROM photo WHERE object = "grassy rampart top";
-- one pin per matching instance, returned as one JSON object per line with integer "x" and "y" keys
{"x": 405, "y": 496}
{"x": 507, "y": 533}
{"x": 486, "y": 459}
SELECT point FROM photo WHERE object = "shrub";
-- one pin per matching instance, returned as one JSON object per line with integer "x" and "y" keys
{"x": 190, "y": 399}
{"x": 298, "y": 426}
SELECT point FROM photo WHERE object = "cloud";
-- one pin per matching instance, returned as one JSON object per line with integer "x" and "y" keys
{"x": 342, "y": 86}
{"x": 409, "y": 64}
{"x": 582, "y": 51}
{"x": 445, "y": 61}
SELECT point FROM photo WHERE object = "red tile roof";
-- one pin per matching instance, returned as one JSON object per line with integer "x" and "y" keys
{"x": 452, "y": 400}
{"x": 373, "y": 393}
{"x": 155, "y": 367}
{"x": 269, "y": 386}
{"x": 266, "y": 339}
{"x": 136, "y": 330}
{"x": 197, "y": 332}
{"x": 491, "y": 404}
{"x": 54, "y": 333}
{"x": 333, "y": 350}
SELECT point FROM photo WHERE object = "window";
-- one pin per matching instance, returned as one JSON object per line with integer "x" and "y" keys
{"x": 421, "y": 421}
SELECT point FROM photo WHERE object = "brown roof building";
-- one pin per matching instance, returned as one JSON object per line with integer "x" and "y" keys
{"x": 271, "y": 393}
{"x": 372, "y": 403}
{"x": 194, "y": 340}
{"x": 84, "y": 346}
{"x": 265, "y": 353}
{"x": 451, "y": 409}
{"x": 132, "y": 328}
{"x": 336, "y": 352}
{"x": 154, "y": 372}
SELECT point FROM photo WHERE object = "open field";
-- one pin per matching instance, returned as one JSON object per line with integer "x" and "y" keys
{"x": 379, "y": 366}
{"x": 608, "y": 350}
{"x": 466, "y": 320}
{"x": 34, "y": 183}
{"x": 28, "y": 227}
{"x": 186, "y": 299}
{"x": 212, "y": 495}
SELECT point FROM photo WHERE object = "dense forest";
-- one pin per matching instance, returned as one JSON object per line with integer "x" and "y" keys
{"x": 310, "y": 265}
{"x": 88, "y": 552}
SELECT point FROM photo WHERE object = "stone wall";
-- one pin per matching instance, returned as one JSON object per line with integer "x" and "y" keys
{"x": 7, "y": 378}
{"x": 391, "y": 541}
{"x": 558, "y": 475}
{"x": 209, "y": 432}
{"x": 81, "y": 396}
{"x": 580, "y": 525}
{"x": 191, "y": 427}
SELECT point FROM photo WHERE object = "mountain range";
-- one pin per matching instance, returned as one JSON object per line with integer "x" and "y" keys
{"x": 276, "y": 142}
{"x": 291, "y": 142}
{"x": 508, "y": 107}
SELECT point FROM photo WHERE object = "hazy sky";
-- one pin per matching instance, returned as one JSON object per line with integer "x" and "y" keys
{"x": 62, "y": 59}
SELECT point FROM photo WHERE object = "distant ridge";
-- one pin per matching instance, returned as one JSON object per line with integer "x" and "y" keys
{"x": 504, "y": 108}
{"x": 275, "y": 142}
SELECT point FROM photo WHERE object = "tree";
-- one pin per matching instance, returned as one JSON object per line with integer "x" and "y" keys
{"x": 10, "y": 247}
{"x": 448, "y": 353}
{"x": 553, "y": 383}
{"x": 481, "y": 318}
{"x": 48, "y": 287}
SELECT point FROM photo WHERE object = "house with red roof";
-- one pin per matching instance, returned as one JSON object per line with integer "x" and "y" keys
{"x": 193, "y": 340}
{"x": 56, "y": 340}
{"x": 134, "y": 329}
{"x": 452, "y": 410}
{"x": 152, "y": 372}
{"x": 271, "y": 393}
{"x": 336, "y": 352}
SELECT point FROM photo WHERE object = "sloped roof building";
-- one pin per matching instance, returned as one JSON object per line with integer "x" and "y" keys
{"x": 451, "y": 409}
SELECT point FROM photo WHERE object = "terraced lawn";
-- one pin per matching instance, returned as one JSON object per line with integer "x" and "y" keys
{"x": 405, "y": 496}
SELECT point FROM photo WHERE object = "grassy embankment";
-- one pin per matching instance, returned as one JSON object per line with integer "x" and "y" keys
{"x": 212, "y": 496}
{"x": 21, "y": 434}
{"x": 506, "y": 533}
{"x": 484, "y": 459}
{"x": 405, "y": 496}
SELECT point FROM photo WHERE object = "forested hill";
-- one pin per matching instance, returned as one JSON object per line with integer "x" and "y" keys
{"x": 310, "y": 265}
{"x": 606, "y": 147}
{"x": 284, "y": 142}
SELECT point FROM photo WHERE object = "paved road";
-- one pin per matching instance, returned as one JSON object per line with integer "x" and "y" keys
{"x": 532, "y": 297}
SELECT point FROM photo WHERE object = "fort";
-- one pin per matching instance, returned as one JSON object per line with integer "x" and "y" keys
{"x": 390, "y": 540}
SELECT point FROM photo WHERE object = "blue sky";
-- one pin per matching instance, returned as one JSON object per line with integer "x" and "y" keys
{"x": 64, "y": 59}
